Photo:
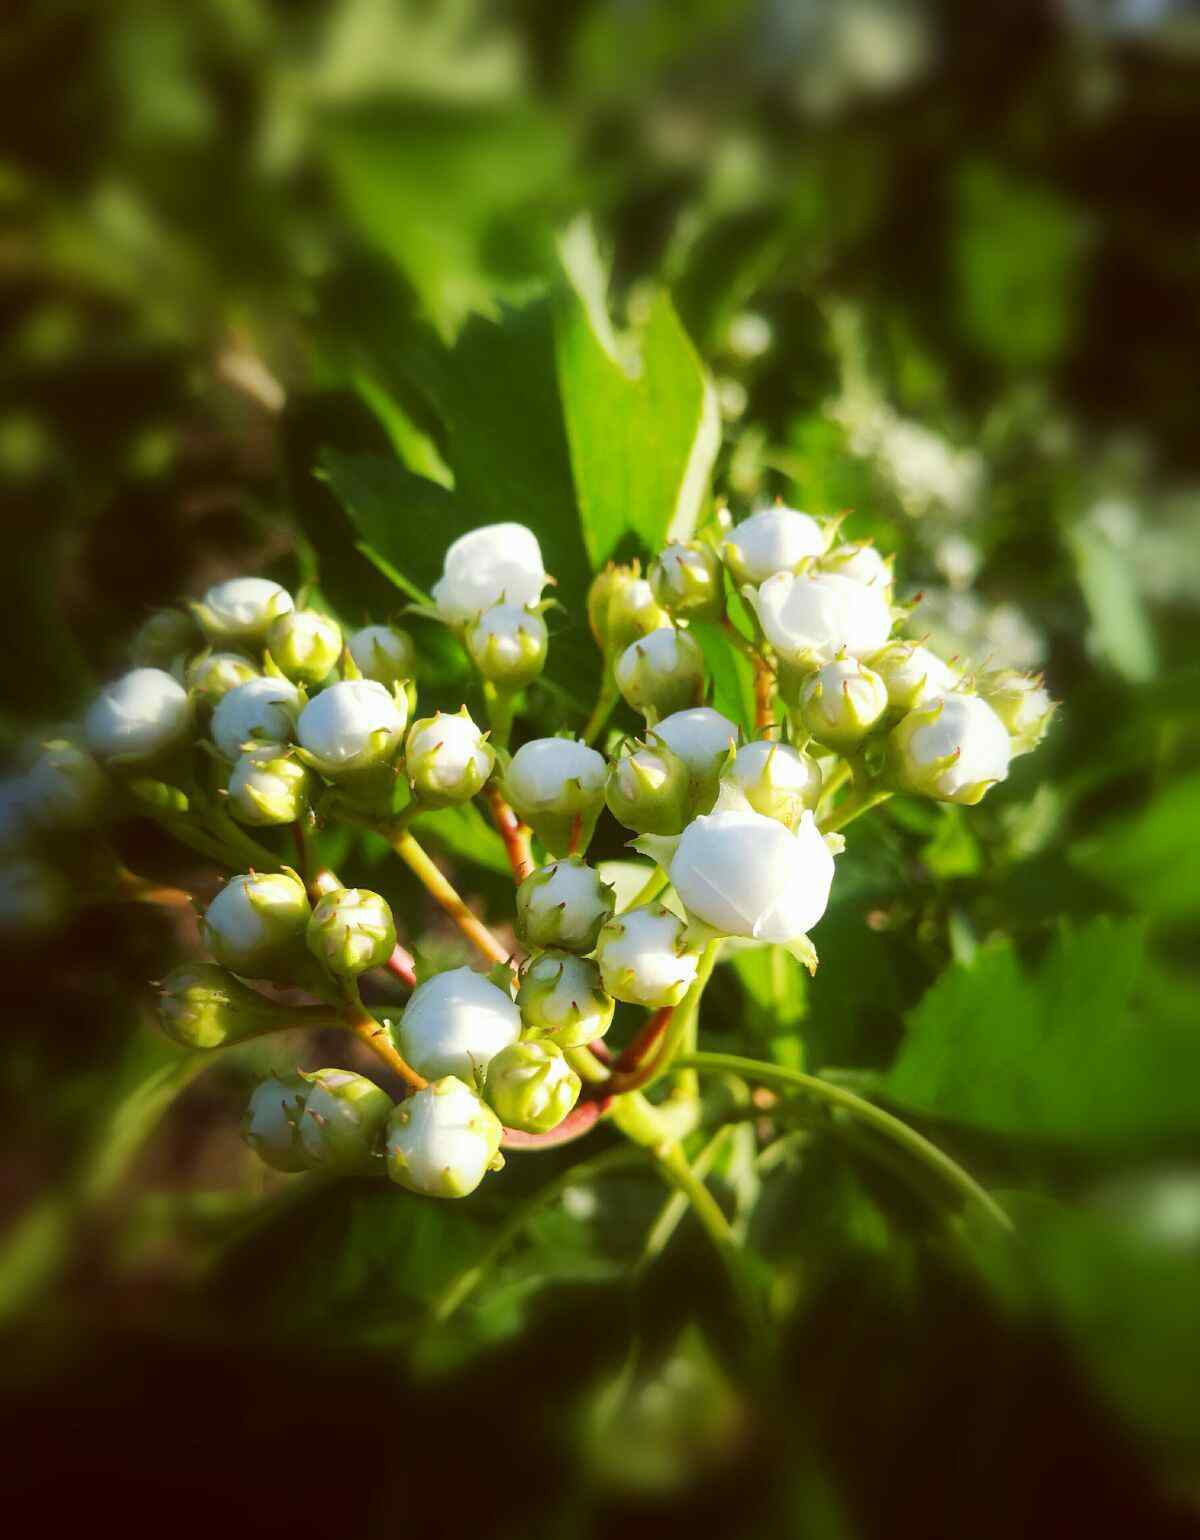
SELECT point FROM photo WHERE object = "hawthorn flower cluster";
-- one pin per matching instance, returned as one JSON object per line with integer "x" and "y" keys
{"x": 251, "y": 712}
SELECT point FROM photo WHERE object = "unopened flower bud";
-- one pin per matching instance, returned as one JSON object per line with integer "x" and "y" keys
{"x": 810, "y": 619}
{"x": 861, "y": 563}
{"x": 706, "y": 742}
{"x": 351, "y": 930}
{"x": 454, "y": 1023}
{"x": 508, "y": 645}
{"x": 953, "y": 748}
{"x": 255, "y": 926}
{"x": 648, "y": 789}
{"x": 443, "y": 1141}
{"x": 1022, "y": 703}
{"x": 498, "y": 564}
{"x": 557, "y": 786}
{"x": 205, "y": 1006}
{"x": 262, "y": 710}
{"x": 531, "y": 1086}
{"x": 912, "y": 675}
{"x": 644, "y": 957}
{"x": 563, "y": 905}
{"x": 561, "y": 997}
{"x": 777, "y": 781}
{"x": 269, "y": 786}
{"x": 239, "y": 611}
{"x": 65, "y": 789}
{"x": 305, "y": 645}
{"x": 211, "y": 675}
{"x": 343, "y": 1121}
{"x": 383, "y": 653}
{"x": 622, "y": 607}
{"x": 687, "y": 581}
{"x": 35, "y": 898}
{"x": 141, "y": 717}
{"x": 773, "y": 540}
{"x": 352, "y": 726}
{"x": 166, "y": 635}
{"x": 447, "y": 758}
{"x": 842, "y": 702}
{"x": 271, "y": 1126}
{"x": 661, "y": 673}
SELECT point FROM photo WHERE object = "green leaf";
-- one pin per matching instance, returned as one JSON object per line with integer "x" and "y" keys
{"x": 643, "y": 431}
{"x": 776, "y": 987}
{"x": 1150, "y": 858}
{"x": 731, "y": 673}
{"x": 1060, "y": 1053}
{"x": 1121, "y": 630}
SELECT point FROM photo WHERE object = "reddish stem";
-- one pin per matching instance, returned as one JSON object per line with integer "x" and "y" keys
{"x": 636, "y": 1051}
{"x": 764, "y": 696}
{"x": 576, "y": 834}
{"x": 402, "y": 964}
{"x": 580, "y": 1121}
{"x": 513, "y": 832}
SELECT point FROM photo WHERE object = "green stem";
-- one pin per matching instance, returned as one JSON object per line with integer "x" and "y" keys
{"x": 501, "y": 705}
{"x": 836, "y": 778}
{"x": 603, "y": 708}
{"x": 681, "y": 1034}
{"x": 424, "y": 868}
{"x": 464, "y": 1283}
{"x": 638, "y": 1120}
{"x": 895, "y": 1128}
{"x": 676, "y": 1206}
{"x": 586, "y": 1065}
{"x": 857, "y": 803}
{"x": 650, "y": 889}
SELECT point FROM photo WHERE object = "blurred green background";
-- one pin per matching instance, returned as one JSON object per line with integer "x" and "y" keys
{"x": 943, "y": 263}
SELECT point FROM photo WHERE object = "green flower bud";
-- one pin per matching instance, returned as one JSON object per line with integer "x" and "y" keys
{"x": 383, "y": 653}
{"x": 342, "y": 1124}
{"x": 557, "y": 786}
{"x": 305, "y": 645}
{"x": 842, "y": 702}
{"x": 644, "y": 957}
{"x": 255, "y": 926}
{"x": 563, "y": 905}
{"x": 65, "y": 789}
{"x": 531, "y": 1086}
{"x": 271, "y": 1126}
{"x": 269, "y": 786}
{"x": 687, "y": 580}
{"x": 1022, "y": 703}
{"x": 205, "y": 1006}
{"x": 211, "y": 675}
{"x": 508, "y": 645}
{"x": 561, "y": 998}
{"x": 661, "y": 673}
{"x": 622, "y": 607}
{"x": 648, "y": 789}
{"x": 162, "y": 638}
{"x": 776, "y": 780}
{"x": 447, "y": 758}
{"x": 350, "y": 931}
{"x": 443, "y": 1141}
{"x": 240, "y": 611}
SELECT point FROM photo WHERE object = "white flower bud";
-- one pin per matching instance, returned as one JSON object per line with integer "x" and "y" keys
{"x": 1022, "y": 703}
{"x": 649, "y": 789}
{"x": 443, "y": 1141}
{"x": 686, "y": 579}
{"x": 777, "y": 781}
{"x": 352, "y": 726}
{"x": 557, "y": 786}
{"x": 741, "y": 874}
{"x": 305, "y": 644}
{"x": 141, "y": 716}
{"x": 842, "y": 702}
{"x": 351, "y": 930}
{"x": 65, "y": 788}
{"x": 749, "y": 335}
{"x": 241, "y": 610}
{"x": 508, "y": 645}
{"x": 269, "y": 786}
{"x": 645, "y": 958}
{"x": 810, "y": 619}
{"x": 454, "y": 1023}
{"x": 952, "y": 749}
{"x": 262, "y": 710}
{"x": 561, "y": 998}
{"x": 383, "y": 653}
{"x": 774, "y": 540}
{"x": 447, "y": 758}
{"x": 497, "y": 564}
{"x": 530, "y": 1086}
{"x": 211, "y": 675}
{"x": 34, "y": 896}
{"x": 912, "y": 675}
{"x": 706, "y": 742}
{"x": 563, "y": 905}
{"x": 861, "y": 563}
{"x": 255, "y": 926}
{"x": 271, "y": 1126}
{"x": 661, "y": 673}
